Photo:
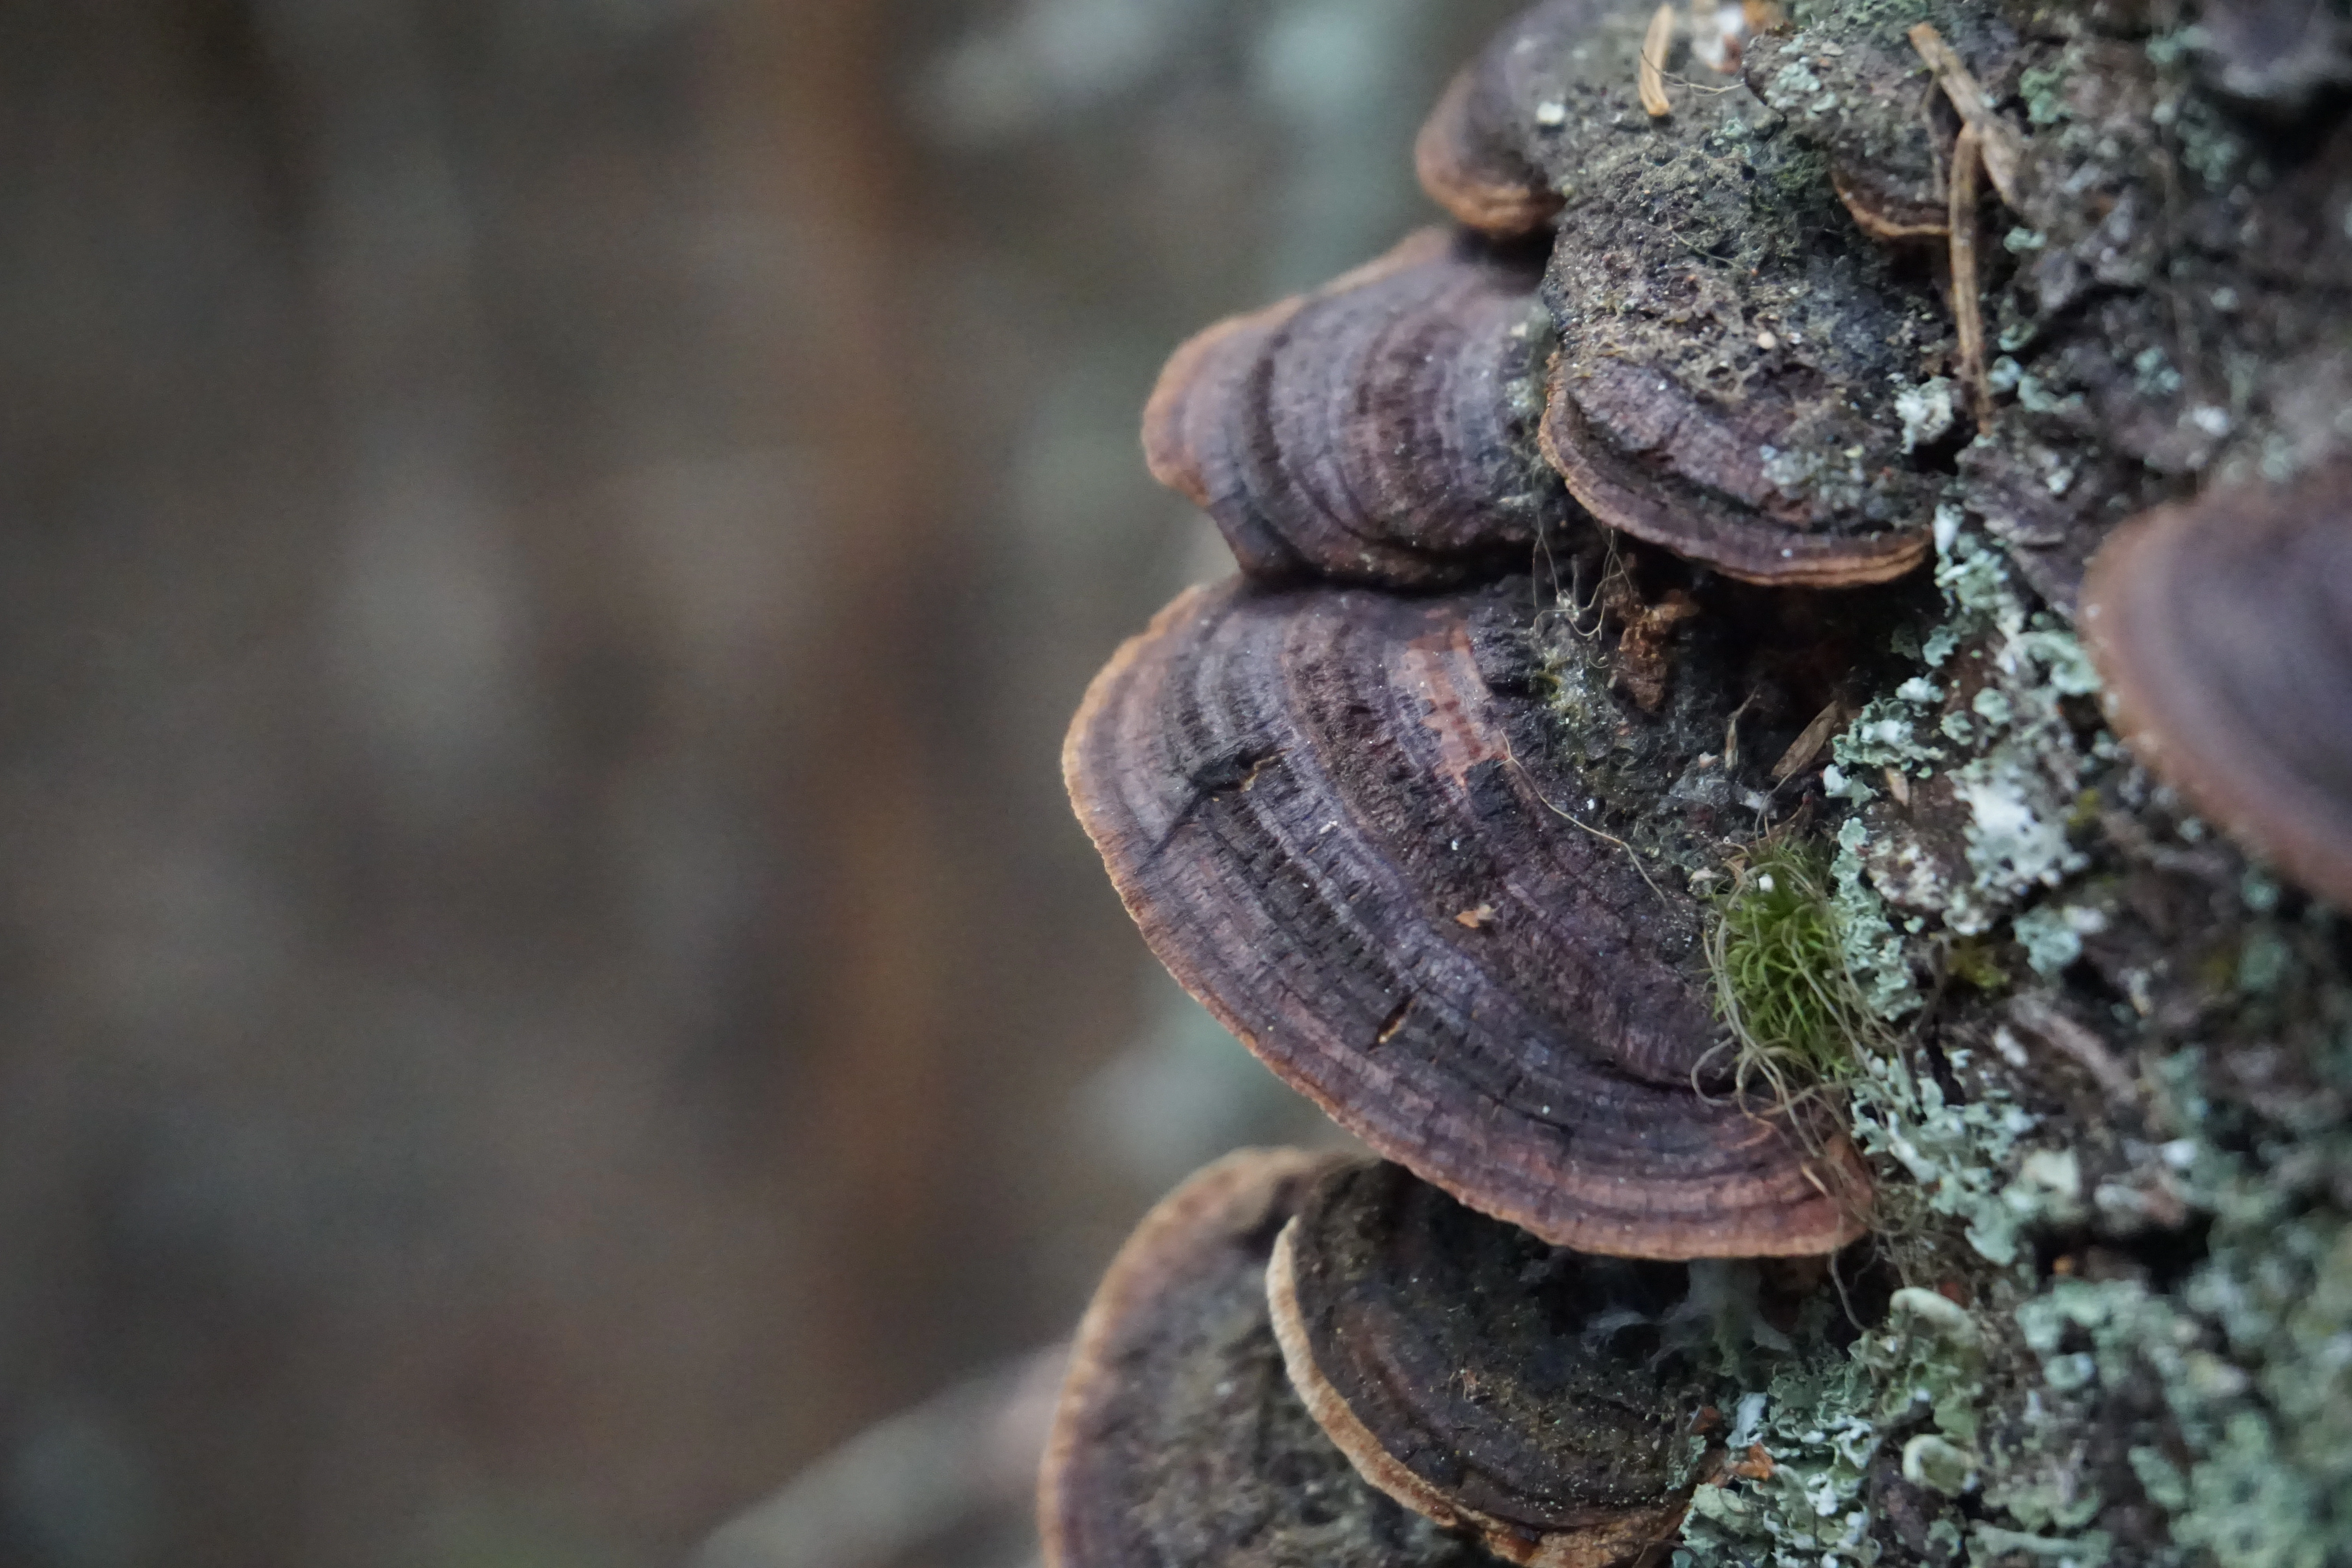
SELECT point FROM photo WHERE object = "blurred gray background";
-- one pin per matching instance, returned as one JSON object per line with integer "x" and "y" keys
{"x": 546, "y": 546}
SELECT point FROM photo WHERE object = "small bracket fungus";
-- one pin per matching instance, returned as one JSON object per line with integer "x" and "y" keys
{"x": 1485, "y": 1380}
{"x": 1179, "y": 1442}
{"x": 2223, "y": 631}
{"x": 1873, "y": 102}
{"x": 1767, "y": 492}
{"x": 1297, "y": 793}
{"x": 1478, "y": 154}
{"x": 1379, "y": 429}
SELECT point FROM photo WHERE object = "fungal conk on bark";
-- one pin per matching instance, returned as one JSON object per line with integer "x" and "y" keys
{"x": 2222, "y": 629}
{"x": 1331, "y": 794}
{"x": 1479, "y": 154}
{"x": 1335, "y": 815}
{"x": 1380, "y": 429}
{"x": 1494, "y": 1383}
{"x": 1738, "y": 406}
{"x": 1179, "y": 1442}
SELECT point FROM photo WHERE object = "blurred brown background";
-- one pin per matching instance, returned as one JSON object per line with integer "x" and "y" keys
{"x": 546, "y": 546}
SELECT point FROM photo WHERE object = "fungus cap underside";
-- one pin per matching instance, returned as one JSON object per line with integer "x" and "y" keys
{"x": 1379, "y": 429}
{"x": 1179, "y": 1441}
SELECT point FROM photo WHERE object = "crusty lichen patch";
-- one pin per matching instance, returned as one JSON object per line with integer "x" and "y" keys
{"x": 2154, "y": 1359}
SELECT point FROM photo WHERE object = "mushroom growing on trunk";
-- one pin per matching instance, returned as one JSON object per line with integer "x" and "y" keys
{"x": 1335, "y": 815}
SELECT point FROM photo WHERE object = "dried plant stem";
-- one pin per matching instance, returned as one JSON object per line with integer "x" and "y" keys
{"x": 1809, "y": 743}
{"x": 1967, "y": 311}
{"x": 1652, "y": 74}
{"x": 2002, "y": 147}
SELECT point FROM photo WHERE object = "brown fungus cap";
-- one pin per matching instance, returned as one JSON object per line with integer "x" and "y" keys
{"x": 1340, "y": 834}
{"x": 1380, "y": 429}
{"x": 2223, "y": 631}
{"x": 1179, "y": 1442}
{"x": 1484, "y": 1379}
{"x": 1768, "y": 488}
{"x": 1887, "y": 141}
{"x": 1478, "y": 154}
{"x": 1732, "y": 370}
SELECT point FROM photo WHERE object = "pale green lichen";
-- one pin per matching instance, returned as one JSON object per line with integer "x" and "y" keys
{"x": 1875, "y": 954}
{"x": 2050, "y": 940}
{"x": 1885, "y": 734}
{"x": 2251, "y": 1355}
{"x": 2250, "y": 1458}
{"x": 2043, "y": 89}
{"x": 1927, "y": 411}
{"x": 1928, "y": 1360}
{"x": 1810, "y": 1418}
{"x": 2012, "y": 756}
{"x": 1961, "y": 1158}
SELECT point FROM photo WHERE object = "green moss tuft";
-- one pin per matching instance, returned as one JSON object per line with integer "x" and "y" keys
{"x": 1781, "y": 986}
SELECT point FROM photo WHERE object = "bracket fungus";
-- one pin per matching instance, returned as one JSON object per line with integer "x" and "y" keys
{"x": 1380, "y": 428}
{"x": 1478, "y": 154}
{"x": 1722, "y": 387}
{"x": 2222, "y": 629}
{"x": 1300, "y": 794}
{"x": 1179, "y": 1441}
{"x": 1484, "y": 1379}
{"x": 1879, "y": 129}
{"x": 1778, "y": 481}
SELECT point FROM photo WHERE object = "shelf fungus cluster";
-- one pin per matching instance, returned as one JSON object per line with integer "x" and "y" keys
{"x": 1416, "y": 420}
{"x": 1304, "y": 1359}
{"x": 1328, "y": 792}
{"x": 1178, "y": 1438}
{"x": 1678, "y": 336}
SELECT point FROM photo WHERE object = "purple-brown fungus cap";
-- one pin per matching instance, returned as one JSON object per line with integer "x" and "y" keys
{"x": 1347, "y": 842}
{"x": 1380, "y": 429}
{"x": 1485, "y": 1380}
{"x": 1478, "y": 154}
{"x": 2223, "y": 631}
{"x": 1772, "y": 484}
{"x": 1179, "y": 1442}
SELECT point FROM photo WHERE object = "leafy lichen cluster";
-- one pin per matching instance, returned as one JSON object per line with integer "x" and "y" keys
{"x": 2123, "y": 1325}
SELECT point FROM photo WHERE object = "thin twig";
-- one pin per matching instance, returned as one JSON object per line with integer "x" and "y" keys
{"x": 2003, "y": 147}
{"x": 1967, "y": 311}
{"x": 1631, "y": 853}
{"x": 2040, "y": 1017}
{"x": 1652, "y": 77}
{"x": 1731, "y": 732}
{"x": 965, "y": 1453}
